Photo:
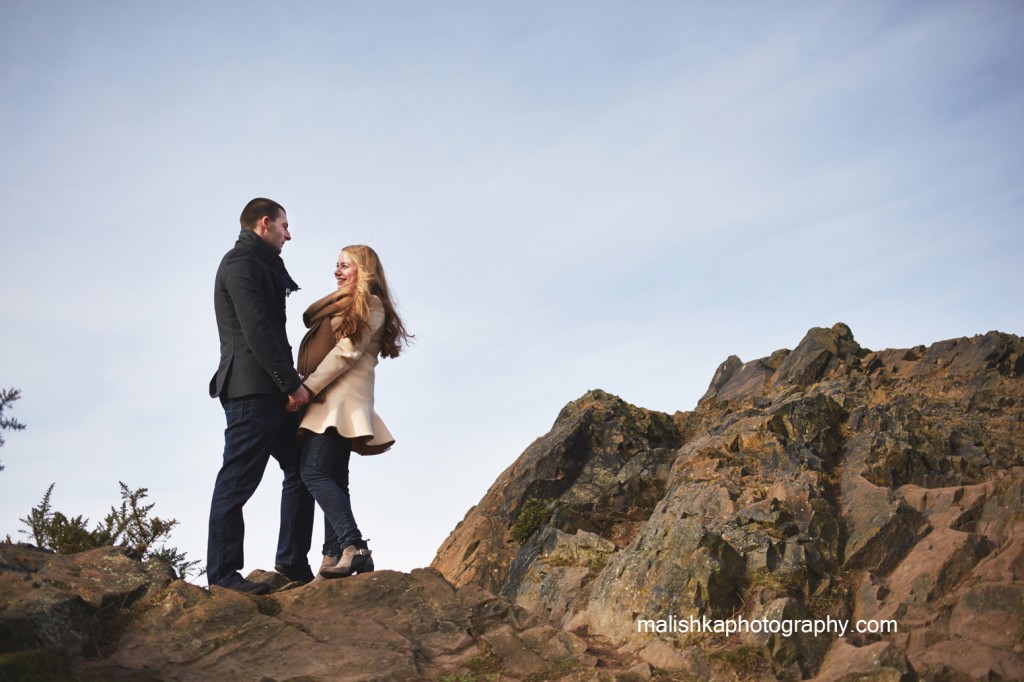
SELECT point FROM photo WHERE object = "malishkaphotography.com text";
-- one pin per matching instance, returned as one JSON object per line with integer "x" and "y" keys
{"x": 785, "y": 627}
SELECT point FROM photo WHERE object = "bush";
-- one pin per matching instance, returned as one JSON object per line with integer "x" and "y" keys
{"x": 7, "y": 398}
{"x": 129, "y": 526}
{"x": 534, "y": 514}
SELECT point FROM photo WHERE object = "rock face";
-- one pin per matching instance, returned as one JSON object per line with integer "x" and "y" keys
{"x": 825, "y": 487}
{"x": 827, "y": 484}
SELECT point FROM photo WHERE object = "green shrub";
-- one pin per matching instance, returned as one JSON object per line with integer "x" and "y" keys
{"x": 534, "y": 514}
{"x": 7, "y": 398}
{"x": 129, "y": 526}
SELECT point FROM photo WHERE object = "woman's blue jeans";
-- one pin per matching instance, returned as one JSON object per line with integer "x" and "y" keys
{"x": 324, "y": 470}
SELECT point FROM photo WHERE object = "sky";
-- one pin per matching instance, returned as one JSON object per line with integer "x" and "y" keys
{"x": 565, "y": 196}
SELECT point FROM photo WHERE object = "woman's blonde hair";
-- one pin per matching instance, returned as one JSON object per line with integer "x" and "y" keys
{"x": 355, "y": 319}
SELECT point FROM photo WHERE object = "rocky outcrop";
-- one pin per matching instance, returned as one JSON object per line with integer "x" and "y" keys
{"x": 829, "y": 484}
{"x": 809, "y": 492}
{"x": 606, "y": 461}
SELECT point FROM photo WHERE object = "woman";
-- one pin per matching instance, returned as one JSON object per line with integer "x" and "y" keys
{"x": 348, "y": 329}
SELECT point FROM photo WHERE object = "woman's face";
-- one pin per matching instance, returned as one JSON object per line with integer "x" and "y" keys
{"x": 347, "y": 272}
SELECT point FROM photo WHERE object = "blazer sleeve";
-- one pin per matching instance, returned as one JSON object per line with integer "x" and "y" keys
{"x": 249, "y": 300}
{"x": 344, "y": 354}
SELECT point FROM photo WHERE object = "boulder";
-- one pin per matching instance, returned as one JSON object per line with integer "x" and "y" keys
{"x": 70, "y": 604}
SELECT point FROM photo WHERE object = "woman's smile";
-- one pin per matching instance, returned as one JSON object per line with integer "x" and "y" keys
{"x": 347, "y": 272}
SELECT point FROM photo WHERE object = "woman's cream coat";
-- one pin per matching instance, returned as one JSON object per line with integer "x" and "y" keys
{"x": 343, "y": 386}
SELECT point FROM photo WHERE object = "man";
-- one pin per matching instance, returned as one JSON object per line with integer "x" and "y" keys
{"x": 256, "y": 381}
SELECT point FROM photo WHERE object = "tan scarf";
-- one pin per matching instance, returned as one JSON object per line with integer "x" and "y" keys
{"x": 320, "y": 338}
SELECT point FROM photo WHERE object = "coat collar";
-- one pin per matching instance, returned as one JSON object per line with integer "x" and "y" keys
{"x": 252, "y": 241}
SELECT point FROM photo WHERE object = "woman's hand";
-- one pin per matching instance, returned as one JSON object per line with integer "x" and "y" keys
{"x": 297, "y": 399}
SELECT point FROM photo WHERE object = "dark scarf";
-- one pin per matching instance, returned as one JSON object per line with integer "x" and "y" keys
{"x": 319, "y": 340}
{"x": 266, "y": 254}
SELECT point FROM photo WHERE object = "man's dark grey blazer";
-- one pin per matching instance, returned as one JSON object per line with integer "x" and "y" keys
{"x": 249, "y": 299}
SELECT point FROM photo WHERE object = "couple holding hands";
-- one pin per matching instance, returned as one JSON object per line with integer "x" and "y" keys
{"x": 309, "y": 418}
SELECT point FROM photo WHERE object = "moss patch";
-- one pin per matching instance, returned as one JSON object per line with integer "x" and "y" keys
{"x": 534, "y": 514}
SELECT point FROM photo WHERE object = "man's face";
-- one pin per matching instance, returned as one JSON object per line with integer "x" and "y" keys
{"x": 275, "y": 232}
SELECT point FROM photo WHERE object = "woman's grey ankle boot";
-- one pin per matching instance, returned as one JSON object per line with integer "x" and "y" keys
{"x": 353, "y": 560}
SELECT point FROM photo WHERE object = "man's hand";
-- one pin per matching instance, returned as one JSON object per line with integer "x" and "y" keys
{"x": 297, "y": 398}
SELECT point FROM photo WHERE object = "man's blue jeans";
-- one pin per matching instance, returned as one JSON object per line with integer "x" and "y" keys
{"x": 257, "y": 427}
{"x": 325, "y": 459}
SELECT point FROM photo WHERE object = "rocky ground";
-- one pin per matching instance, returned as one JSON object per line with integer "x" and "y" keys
{"x": 828, "y": 484}
{"x": 103, "y": 615}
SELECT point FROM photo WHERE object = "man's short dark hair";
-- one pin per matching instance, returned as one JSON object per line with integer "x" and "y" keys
{"x": 256, "y": 209}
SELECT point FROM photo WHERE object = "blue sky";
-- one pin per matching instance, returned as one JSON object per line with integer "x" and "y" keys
{"x": 566, "y": 196}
